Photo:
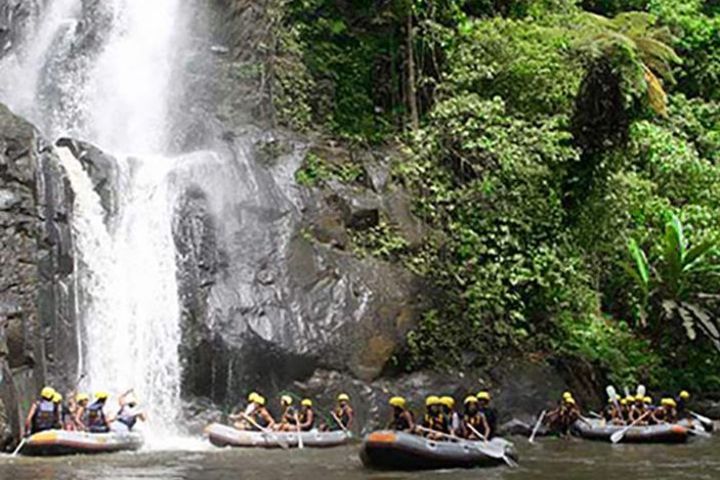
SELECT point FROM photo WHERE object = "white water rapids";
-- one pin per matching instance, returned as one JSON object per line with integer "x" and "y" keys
{"x": 128, "y": 303}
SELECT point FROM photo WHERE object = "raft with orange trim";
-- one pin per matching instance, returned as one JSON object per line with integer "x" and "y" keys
{"x": 599, "y": 430}
{"x": 391, "y": 450}
{"x": 226, "y": 436}
{"x": 63, "y": 442}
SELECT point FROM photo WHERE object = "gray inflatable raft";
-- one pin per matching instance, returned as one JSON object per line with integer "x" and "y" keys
{"x": 226, "y": 436}
{"x": 62, "y": 442}
{"x": 599, "y": 430}
{"x": 390, "y": 450}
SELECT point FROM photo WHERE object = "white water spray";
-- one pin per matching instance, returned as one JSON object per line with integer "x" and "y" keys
{"x": 126, "y": 271}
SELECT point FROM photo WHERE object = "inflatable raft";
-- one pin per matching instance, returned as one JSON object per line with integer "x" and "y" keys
{"x": 62, "y": 442}
{"x": 390, "y": 450}
{"x": 599, "y": 430}
{"x": 226, "y": 436}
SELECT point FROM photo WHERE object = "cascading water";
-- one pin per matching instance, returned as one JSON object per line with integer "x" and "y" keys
{"x": 126, "y": 267}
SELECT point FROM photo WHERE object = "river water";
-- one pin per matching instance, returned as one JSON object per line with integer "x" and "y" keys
{"x": 547, "y": 459}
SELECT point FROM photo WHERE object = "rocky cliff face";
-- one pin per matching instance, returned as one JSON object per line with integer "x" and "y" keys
{"x": 36, "y": 291}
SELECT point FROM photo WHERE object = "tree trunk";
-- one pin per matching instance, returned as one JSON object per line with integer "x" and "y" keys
{"x": 411, "y": 82}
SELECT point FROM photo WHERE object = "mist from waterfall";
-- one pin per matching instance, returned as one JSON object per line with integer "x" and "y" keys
{"x": 115, "y": 97}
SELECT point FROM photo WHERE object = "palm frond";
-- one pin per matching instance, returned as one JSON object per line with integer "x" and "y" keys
{"x": 657, "y": 98}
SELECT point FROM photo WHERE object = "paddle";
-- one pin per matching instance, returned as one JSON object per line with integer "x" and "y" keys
{"x": 485, "y": 451}
{"x": 537, "y": 426}
{"x": 511, "y": 463}
{"x": 19, "y": 447}
{"x": 701, "y": 419}
{"x": 595, "y": 415}
{"x": 283, "y": 444}
{"x": 641, "y": 391}
{"x": 699, "y": 433}
{"x": 299, "y": 433}
{"x": 613, "y": 397}
{"x": 617, "y": 436}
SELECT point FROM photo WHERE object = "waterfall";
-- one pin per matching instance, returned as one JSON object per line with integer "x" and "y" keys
{"x": 115, "y": 97}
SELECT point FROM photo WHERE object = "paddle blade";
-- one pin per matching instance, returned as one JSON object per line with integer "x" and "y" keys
{"x": 611, "y": 393}
{"x": 641, "y": 391}
{"x": 617, "y": 436}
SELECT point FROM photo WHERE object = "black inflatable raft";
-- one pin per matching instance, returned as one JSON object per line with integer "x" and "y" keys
{"x": 225, "y": 436}
{"x": 61, "y": 442}
{"x": 599, "y": 430}
{"x": 390, "y": 450}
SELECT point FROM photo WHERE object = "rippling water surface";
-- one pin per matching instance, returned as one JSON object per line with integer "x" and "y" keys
{"x": 547, "y": 459}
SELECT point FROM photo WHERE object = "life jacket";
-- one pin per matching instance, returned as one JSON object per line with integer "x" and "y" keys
{"x": 475, "y": 420}
{"x": 95, "y": 418}
{"x": 46, "y": 416}
{"x": 400, "y": 422}
{"x": 304, "y": 418}
{"x": 127, "y": 416}
{"x": 438, "y": 422}
{"x": 343, "y": 414}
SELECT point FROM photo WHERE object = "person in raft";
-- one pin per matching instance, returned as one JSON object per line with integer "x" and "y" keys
{"x": 43, "y": 414}
{"x": 342, "y": 415}
{"x": 255, "y": 417}
{"x": 306, "y": 419}
{"x": 488, "y": 412}
{"x": 81, "y": 402}
{"x": 402, "y": 419}
{"x": 474, "y": 422}
{"x": 436, "y": 425}
{"x": 288, "y": 415}
{"x": 129, "y": 413}
{"x": 93, "y": 416}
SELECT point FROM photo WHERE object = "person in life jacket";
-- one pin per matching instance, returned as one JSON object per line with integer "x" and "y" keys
{"x": 402, "y": 419}
{"x": 638, "y": 411}
{"x": 129, "y": 413}
{"x": 94, "y": 415}
{"x": 447, "y": 406}
{"x": 473, "y": 421}
{"x": 488, "y": 412}
{"x": 81, "y": 403}
{"x": 65, "y": 420}
{"x": 343, "y": 414}
{"x": 681, "y": 405}
{"x": 287, "y": 416}
{"x": 435, "y": 422}
{"x": 43, "y": 414}
{"x": 666, "y": 412}
{"x": 306, "y": 419}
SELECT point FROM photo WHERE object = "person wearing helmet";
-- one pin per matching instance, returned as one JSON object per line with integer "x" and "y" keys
{"x": 256, "y": 416}
{"x": 43, "y": 414}
{"x": 473, "y": 421}
{"x": 610, "y": 413}
{"x": 488, "y": 412}
{"x": 343, "y": 414}
{"x": 402, "y": 419}
{"x": 129, "y": 413}
{"x": 436, "y": 423}
{"x": 638, "y": 412}
{"x": 287, "y": 415}
{"x": 666, "y": 412}
{"x": 81, "y": 402}
{"x": 306, "y": 419}
{"x": 681, "y": 404}
{"x": 65, "y": 420}
{"x": 95, "y": 419}
{"x": 447, "y": 406}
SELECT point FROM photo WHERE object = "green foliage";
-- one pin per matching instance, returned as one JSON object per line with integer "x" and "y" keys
{"x": 553, "y": 154}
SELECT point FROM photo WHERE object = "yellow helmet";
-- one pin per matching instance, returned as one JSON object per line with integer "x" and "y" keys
{"x": 570, "y": 400}
{"x": 630, "y": 398}
{"x": 286, "y": 400}
{"x": 398, "y": 402}
{"x": 82, "y": 397}
{"x": 567, "y": 395}
{"x": 685, "y": 395}
{"x": 306, "y": 402}
{"x": 668, "y": 402}
{"x": 447, "y": 401}
{"x": 260, "y": 400}
{"x": 623, "y": 401}
{"x": 432, "y": 400}
{"x": 343, "y": 397}
{"x": 101, "y": 395}
{"x": 647, "y": 400}
{"x": 47, "y": 393}
{"x": 57, "y": 398}
{"x": 484, "y": 395}
{"x": 470, "y": 399}
{"x": 253, "y": 397}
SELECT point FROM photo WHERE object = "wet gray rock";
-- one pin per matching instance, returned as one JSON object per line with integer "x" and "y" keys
{"x": 37, "y": 336}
